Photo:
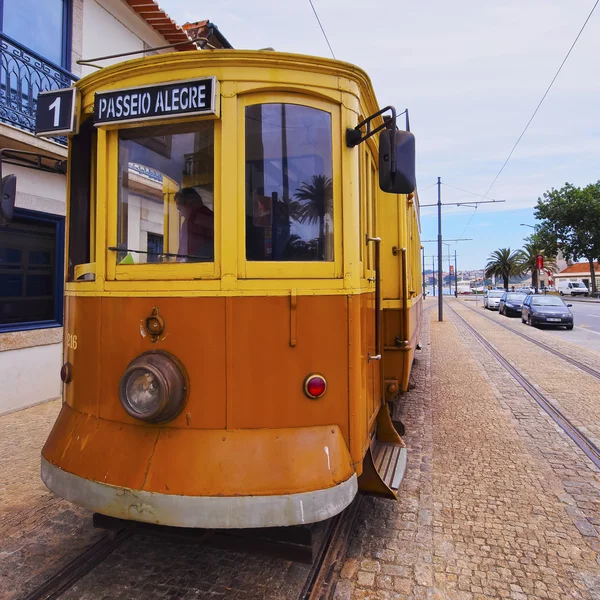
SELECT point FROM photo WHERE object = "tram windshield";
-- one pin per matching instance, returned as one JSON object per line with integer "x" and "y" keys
{"x": 289, "y": 186}
{"x": 166, "y": 194}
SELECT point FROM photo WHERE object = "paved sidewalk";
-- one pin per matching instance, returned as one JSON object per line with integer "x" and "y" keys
{"x": 496, "y": 503}
{"x": 38, "y": 532}
{"x": 502, "y": 525}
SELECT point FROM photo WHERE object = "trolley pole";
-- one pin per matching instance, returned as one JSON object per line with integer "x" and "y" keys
{"x": 439, "y": 240}
{"x": 455, "y": 277}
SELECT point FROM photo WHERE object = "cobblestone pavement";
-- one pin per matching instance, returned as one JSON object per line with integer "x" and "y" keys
{"x": 489, "y": 507}
{"x": 38, "y": 532}
{"x": 152, "y": 568}
{"x": 576, "y": 393}
{"x": 497, "y": 503}
{"x": 587, "y": 355}
{"x": 581, "y": 337}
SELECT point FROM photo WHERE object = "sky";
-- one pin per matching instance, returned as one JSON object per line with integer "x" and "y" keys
{"x": 471, "y": 74}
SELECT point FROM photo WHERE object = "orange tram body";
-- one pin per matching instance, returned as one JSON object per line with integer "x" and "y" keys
{"x": 242, "y": 298}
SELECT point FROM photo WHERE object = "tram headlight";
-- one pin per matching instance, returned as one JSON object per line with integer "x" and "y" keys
{"x": 154, "y": 387}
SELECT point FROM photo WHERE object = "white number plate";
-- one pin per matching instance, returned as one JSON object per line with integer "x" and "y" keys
{"x": 554, "y": 320}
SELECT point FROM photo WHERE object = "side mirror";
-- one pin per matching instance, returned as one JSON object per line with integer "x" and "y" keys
{"x": 8, "y": 191}
{"x": 397, "y": 162}
{"x": 569, "y": 305}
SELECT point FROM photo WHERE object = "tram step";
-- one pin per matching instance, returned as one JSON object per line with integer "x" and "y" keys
{"x": 390, "y": 462}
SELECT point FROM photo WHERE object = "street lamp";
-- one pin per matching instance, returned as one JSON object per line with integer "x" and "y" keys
{"x": 525, "y": 225}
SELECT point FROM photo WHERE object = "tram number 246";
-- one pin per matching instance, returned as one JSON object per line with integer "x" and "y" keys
{"x": 71, "y": 341}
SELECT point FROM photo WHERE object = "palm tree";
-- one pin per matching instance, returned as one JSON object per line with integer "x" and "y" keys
{"x": 529, "y": 254}
{"x": 503, "y": 263}
{"x": 315, "y": 202}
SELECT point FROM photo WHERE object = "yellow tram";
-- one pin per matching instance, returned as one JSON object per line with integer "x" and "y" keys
{"x": 242, "y": 295}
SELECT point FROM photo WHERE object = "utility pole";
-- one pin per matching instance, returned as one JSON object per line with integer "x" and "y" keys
{"x": 455, "y": 277}
{"x": 449, "y": 274}
{"x": 433, "y": 273}
{"x": 423, "y": 263}
{"x": 439, "y": 239}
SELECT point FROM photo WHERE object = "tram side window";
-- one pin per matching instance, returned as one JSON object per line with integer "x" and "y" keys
{"x": 80, "y": 204}
{"x": 289, "y": 183}
{"x": 166, "y": 194}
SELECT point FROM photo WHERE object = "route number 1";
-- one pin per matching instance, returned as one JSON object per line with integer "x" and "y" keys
{"x": 55, "y": 112}
{"x": 55, "y": 106}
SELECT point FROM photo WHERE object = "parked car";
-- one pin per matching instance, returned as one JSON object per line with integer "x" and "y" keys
{"x": 572, "y": 288}
{"x": 511, "y": 303}
{"x": 491, "y": 299}
{"x": 525, "y": 290}
{"x": 546, "y": 310}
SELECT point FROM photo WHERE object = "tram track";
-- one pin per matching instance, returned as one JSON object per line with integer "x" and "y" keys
{"x": 324, "y": 572}
{"x": 572, "y": 361}
{"x": 586, "y": 445}
{"x": 68, "y": 575}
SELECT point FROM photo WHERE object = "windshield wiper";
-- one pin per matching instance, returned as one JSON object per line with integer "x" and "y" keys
{"x": 166, "y": 254}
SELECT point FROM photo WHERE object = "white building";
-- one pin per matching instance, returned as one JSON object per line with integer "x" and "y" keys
{"x": 579, "y": 272}
{"x": 41, "y": 44}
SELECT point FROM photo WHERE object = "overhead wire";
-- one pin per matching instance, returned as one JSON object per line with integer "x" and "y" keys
{"x": 467, "y": 191}
{"x": 537, "y": 108}
{"x": 429, "y": 186}
{"x": 323, "y": 30}
{"x": 543, "y": 97}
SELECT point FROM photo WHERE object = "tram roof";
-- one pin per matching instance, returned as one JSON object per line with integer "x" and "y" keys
{"x": 113, "y": 76}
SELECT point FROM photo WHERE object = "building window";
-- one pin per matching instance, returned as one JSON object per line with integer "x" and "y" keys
{"x": 44, "y": 27}
{"x": 31, "y": 271}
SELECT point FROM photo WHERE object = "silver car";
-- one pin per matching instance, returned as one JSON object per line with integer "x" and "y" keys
{"x": 491, "y": 299}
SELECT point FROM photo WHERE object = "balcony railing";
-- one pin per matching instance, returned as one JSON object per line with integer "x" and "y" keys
{"x": 23, "y": 75}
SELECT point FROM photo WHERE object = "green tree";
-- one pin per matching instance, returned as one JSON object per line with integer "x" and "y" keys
{"x": 570, "y": 223}
{"x": 503, "y": 263}
{"x": 528, "y": 258}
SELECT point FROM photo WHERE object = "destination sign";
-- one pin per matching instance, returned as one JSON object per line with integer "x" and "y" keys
{"x": 192, "y": 97}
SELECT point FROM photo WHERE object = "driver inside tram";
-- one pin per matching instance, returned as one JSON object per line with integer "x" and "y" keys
{"x": 196, "y": 234}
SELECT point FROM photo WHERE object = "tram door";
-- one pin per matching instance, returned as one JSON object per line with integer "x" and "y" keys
{"x": 372, "y": 273}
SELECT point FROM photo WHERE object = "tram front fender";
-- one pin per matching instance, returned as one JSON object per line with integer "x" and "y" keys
{"x": 198, "y": 462}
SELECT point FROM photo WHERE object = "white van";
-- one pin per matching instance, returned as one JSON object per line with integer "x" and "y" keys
{"x": 572, "y": 288}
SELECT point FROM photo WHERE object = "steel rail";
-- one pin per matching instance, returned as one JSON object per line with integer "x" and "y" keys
{"x": 581, "y": 440}
{"x": 68, "y": 575}
{"x": 558, "y": 353}
{"x": 321, "y": 580}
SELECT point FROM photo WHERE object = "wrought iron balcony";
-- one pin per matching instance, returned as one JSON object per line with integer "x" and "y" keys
{"x": 23, "y": 75}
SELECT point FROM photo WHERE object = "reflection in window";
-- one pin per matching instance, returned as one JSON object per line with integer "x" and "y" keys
{"x": 38, "y": 25}
{"x": 289, "y": 189}
{"x": 166, "y": 203}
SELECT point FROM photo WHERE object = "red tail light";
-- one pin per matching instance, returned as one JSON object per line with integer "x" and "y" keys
{"x": 315, "y": 386}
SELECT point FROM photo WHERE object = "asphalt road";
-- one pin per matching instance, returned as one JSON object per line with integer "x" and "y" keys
{"x": 586, "y": 313}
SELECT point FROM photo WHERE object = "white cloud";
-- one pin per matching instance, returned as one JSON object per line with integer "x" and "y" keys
{"x": 471, "y": 73}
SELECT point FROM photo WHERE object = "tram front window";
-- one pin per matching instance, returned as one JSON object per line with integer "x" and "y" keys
{"x": 166, "y": 194}
{"x": 289, "y": 189}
